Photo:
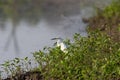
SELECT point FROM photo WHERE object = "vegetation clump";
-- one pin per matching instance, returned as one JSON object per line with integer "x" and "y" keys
{"x": 107, "y": 20}
{"x": 89, "y": 58}
{"x": 19, "y": 69}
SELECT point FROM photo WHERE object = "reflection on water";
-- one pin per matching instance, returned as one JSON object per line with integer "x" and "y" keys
{"x": 12, "y": 36}
{"x": 28, "y": 25}
{"x": 28, "y": 39}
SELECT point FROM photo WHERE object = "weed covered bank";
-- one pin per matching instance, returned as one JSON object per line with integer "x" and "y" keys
{"x": 96, "y": 57}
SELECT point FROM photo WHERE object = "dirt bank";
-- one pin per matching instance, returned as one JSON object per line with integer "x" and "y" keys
{"x": 110, "y": 26}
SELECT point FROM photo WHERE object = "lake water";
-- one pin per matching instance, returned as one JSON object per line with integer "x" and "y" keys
{"x": 19, "y": 38}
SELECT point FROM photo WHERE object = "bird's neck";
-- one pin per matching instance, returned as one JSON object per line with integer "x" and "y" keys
{"x": 59, "y": 42}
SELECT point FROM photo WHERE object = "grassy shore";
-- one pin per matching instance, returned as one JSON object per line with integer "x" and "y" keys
{"x": 96, "y": 57}
{"x": 107, "y": 21}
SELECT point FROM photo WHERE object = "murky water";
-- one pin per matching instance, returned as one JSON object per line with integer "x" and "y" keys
{"x": 22, "y": 35}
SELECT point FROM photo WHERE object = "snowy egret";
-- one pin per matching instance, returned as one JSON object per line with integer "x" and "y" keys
{"x": 60, "y": 44}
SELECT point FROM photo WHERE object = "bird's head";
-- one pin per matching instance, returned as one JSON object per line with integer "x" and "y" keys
{"x": 59, "y": 40}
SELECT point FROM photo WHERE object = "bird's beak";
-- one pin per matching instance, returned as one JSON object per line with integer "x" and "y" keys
{"x": 53, "y": 38}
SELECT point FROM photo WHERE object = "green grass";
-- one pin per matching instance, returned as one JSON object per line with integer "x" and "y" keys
{"x": 112, "y": 10}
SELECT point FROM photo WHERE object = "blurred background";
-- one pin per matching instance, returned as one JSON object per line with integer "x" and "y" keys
{"x": 27, "y": 26}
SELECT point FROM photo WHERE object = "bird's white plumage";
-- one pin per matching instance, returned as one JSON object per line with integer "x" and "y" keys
{"x": 61, "y": 44}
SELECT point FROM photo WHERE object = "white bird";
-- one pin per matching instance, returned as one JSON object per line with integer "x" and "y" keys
{"x": 60, "y": 44}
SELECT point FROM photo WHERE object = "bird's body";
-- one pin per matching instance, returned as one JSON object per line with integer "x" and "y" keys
{"x": 61, "y": 44}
